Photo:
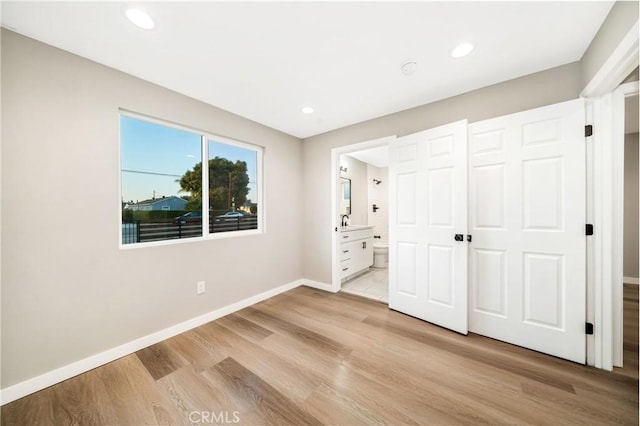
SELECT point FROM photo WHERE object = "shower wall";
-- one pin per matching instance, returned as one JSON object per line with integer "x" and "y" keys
{"x": 378, "y": 195}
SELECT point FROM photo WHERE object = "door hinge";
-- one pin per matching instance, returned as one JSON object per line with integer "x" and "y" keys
{"x": 588, "y": 130}
{"x": 588, "y": 229}
{"x": 588, "y": 328}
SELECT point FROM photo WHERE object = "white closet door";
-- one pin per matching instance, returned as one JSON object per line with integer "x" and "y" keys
{"x": 527, "y": 217}
{"x": 428, "y": 207}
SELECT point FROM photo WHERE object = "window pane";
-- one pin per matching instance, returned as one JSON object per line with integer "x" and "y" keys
{"x": 161, "y": 182}
{"x": 233, "y": 187}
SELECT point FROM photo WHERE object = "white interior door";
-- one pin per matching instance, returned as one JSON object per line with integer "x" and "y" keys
{"x": 527, "y": 218}
{"x": 428, "y": 194}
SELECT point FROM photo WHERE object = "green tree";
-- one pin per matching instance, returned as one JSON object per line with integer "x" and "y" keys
{"x": 228, "y": 184}
{"x": 127, "y": 216}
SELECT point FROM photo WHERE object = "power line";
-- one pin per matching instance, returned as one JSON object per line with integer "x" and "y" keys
{"x": 150, "y": 173}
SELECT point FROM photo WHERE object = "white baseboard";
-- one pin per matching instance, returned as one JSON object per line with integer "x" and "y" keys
{"x": 318, "y": 285}
{"x": 58, "y": 375}
{"x": 630, "y": 280}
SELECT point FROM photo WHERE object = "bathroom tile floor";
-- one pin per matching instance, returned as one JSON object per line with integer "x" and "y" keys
{"x": 373, "y": 284}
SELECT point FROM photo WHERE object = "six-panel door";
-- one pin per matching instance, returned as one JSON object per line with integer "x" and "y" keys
{"x": 527, "y": 217}
{"x": 526, "y": 213}
{"x": 428, "y": 193}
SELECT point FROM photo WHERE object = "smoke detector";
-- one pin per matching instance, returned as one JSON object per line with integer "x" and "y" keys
{"x": 409, "y": 67}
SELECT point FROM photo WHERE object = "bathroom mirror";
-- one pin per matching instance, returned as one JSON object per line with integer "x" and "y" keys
{"x": 345, "y": 196}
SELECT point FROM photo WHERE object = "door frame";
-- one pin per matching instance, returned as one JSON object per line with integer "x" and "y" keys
{"x": 618, "y": 128}
{"x": 605, "y": 160}
{"x": 335, "y": 179}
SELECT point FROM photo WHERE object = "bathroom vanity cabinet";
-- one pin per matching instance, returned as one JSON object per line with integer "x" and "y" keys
{"x": 355, "y": 249}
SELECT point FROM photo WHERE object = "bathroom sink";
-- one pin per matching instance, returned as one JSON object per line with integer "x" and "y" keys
{"x": 354, "y": 228}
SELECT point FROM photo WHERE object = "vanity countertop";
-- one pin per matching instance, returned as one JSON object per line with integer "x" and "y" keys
{"x": 355, "y": 228}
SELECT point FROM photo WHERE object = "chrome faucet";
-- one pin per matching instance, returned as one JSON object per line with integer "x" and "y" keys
{"x": 343, "y": 222}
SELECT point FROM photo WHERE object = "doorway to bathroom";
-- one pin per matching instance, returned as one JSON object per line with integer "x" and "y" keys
{"x": 360, "y": 214}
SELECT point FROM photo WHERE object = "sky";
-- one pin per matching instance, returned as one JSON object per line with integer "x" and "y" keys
{"x": 154, "y": 157}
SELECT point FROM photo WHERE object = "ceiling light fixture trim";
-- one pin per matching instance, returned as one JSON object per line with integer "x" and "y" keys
{"x": 140, "y": 18}
{"x": 461, "y": 50}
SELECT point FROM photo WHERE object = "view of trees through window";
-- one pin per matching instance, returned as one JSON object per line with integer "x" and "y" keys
{"x": 163, "y": 184}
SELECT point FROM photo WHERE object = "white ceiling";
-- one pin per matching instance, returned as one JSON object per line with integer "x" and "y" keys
{"x": 378, "y": 157}
{"x": 265, "y": 60}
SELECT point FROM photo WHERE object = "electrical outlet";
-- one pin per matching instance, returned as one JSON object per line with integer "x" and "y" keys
{"x": 200, "y": 287}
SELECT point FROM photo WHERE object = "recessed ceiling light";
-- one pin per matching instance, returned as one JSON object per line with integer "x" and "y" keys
{"x": 408, "y": 67}
{"x": 307, "y": 110}
{"x": 463, "y": 49}
{"x": 140, "y": 18}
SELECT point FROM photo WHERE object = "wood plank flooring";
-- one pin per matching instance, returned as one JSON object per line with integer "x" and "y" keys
{"x": 310, "y": 357}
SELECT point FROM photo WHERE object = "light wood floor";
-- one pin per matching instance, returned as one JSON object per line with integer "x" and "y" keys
{"x": 309, "y": 357}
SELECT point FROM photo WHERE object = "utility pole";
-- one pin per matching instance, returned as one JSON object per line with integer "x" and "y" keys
{"x": 229, "y": 197}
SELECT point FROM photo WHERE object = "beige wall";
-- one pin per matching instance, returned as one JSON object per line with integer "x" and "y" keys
{"x": 543, "y": 88}
{"x": 67, "y": 290}
{"x": 631, "y": 212}
{"x": 622, "y": 16}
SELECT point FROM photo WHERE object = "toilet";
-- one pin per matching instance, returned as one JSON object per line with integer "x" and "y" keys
{"x": 380, "y": 255}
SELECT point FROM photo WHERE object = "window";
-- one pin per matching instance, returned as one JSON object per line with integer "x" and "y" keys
{"x": 233, "y": 187}
{"x": 164, "y": 186}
